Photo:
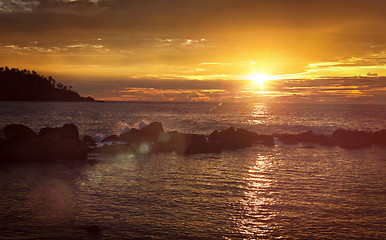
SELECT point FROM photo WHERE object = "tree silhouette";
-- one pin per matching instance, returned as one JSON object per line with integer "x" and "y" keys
{"x": 26, "y": 85}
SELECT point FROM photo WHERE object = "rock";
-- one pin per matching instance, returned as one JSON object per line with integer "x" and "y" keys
{"x": 183, "y": 143}
{"x": 288, "y": 138}
{"x": 94, "y": 232}
{"x": 111, "y": 138}
{"x": 198, "y": 144}
{"x": 351, "y": 139}
{"x": 152, "y": 131}
{"x": 310, "y": 137}
{"x": 225, "y": 139}
{"x": 112, "y": 149}
{"x": 358, "y": 143}
{"x": 17, "y": 133}
{"x": 379, "y": 137}
{"x": 132, "y": 136}
{"x": 89, "y": 141}
{"x": 20, "y": 152}
{"x": 245, "y": 138}
{"x": 66, "y": 132}
{"x": 62, "y": 143}
{"x": 327, "y": 141}
{"x": 176, "y": 142}
{"x": 232, "y": 138}
{"x": 266, "y": 140}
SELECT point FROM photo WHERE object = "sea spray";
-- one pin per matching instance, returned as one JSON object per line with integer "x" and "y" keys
{"x": 122, "y": 127}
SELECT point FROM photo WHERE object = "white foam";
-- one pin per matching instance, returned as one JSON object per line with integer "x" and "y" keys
{"x": 142, "y": 124}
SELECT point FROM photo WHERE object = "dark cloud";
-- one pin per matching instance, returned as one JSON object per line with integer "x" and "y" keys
{"x": 189, "y": 15}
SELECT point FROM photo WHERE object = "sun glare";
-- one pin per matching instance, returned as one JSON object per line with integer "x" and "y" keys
{"x": 260, "y": 78}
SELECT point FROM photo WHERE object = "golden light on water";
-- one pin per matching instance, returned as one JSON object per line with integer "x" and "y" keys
{"x": 258, "y": 195}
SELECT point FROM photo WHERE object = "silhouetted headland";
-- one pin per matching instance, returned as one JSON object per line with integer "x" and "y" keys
{"x": 21, "y": 144}
{"x": 24, "y": 85}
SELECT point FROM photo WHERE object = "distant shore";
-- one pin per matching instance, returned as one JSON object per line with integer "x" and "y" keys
{"x": 25, "y": 85}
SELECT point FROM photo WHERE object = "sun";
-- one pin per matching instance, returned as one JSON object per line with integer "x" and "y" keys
{"x": 260, "y": 78}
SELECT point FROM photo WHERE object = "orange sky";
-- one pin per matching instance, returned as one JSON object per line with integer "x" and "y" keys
{"x": 200, "y": 50}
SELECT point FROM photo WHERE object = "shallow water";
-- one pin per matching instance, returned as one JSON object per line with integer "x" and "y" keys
{"x": 279, "y": 192}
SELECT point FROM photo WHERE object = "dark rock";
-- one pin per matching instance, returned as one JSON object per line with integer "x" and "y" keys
{"x": 20, "y": 152}
{"x": 358, "y": 143}
{"x": 93, "y": 229}
{"x": 198, "y": 144}
{"x": 132, "y": 136}
{"x": 113, "y": 149}
{"x": 310, "y": 137}
{"x": 327, "y": 141}
{"x": 17, "y": 133}
{"x": 66, "y": 132}
{"x": 152, "y": 131}
{"x": 223, "y": 136}
{"x": 183, "y": 143}
{"x": 176, "y": 142}
{"x": 111, "y": 138}
{"x": 62, "y": 143}
{"x": 309, "y": 146}
{"x": 351, "y": 139}
{"x": 266, "y": 140}
{"x": 246, "y": 138}
{"x": 379, "y": 137}
{"x": 225, "y": 139}
{"x": 288, "y": 138}
{"x": 94, "y": 232}
{"x": 232, "y": 138}
{"x": 89, "y": 141}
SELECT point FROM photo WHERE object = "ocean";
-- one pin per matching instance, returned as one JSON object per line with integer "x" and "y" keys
{"x": 260, "y": 192}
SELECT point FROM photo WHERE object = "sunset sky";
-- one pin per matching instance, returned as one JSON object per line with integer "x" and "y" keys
{"x": 202, "y": 50}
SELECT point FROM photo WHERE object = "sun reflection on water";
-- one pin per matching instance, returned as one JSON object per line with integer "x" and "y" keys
{"x": 259, "y": 115}
{"x": 256, "y": 218}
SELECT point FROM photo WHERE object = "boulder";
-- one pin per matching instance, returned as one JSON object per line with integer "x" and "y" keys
{"x": 310, "y": 137}
{"x": 152, "y": 131}
{"x": 288, "y": 138}
{"x": 66, "y": 132}
{"x": 113, "y": 149}
{"x": 177, "y": 142}
{"x": 225, "y": 139}
{"x": 246, "y": 138}
{"x": 198, "y": 144}
{"x": 89, "y": 141}
{"x": 17, "y": 133}
{"x": 62, "y": 143}
{"x": 266, "y": 140}
{"x": 379, "y": 137}
{"x": 351, "y": 139}
{"x": 183, "y": 143}
{"x": 232, "y": 138}
{"x": 132, "y": 136}
{"x": 111, "y": 138}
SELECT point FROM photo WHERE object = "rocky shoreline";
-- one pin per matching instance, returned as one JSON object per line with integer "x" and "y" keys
{"x": 22, "y": 144}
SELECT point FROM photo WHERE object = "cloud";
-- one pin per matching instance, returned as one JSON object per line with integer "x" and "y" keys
{"x": 372, "y": 74}
{"x": 195, "y": 16}
{"x": 9, "y": 6}
{"x": 141, "y": 42}
{"x": 334, "y": 90}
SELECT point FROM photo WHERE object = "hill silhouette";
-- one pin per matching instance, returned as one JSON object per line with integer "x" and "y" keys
{"x": 26, "y": 85}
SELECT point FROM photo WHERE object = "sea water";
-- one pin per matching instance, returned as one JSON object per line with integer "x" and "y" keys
{"x": 261, "y": 192}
